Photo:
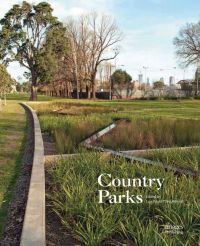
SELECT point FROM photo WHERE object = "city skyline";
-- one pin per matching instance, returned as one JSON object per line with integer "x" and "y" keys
{"x": 148, "y": 26}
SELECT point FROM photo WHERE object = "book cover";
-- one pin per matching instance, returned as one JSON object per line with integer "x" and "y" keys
{"x": 99, "y": 123}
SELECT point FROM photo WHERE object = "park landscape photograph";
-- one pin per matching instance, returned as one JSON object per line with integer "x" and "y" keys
{"x": 99, "y": 123}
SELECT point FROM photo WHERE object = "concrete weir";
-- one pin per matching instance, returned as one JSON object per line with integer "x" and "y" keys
{"x": 33, "y": 232}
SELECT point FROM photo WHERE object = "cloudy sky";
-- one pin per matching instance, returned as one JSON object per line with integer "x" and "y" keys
{"x": 149, "y": 27}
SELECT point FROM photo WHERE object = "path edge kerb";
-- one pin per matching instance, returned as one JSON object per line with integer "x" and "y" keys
{"x": 33, "y": 232}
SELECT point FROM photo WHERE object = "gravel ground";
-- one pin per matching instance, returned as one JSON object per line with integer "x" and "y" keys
{"x": 13, "y": 228}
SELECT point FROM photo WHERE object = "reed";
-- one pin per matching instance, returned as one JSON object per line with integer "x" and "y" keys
{"x": 69, "y": 131}
{"x": 186, "y": 159}
{"x": 153, "y": 133}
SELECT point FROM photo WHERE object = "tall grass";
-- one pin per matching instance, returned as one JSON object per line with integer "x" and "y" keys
{"x": 73, "y": 108}
{"x": 70, "y": 123}
{"x": 74, "y": 195}
{"x": 187, "y": 158}
{"x": 146, "y": 129}
{"x": 69, "y": 131}
{"x": 153, "y": 133}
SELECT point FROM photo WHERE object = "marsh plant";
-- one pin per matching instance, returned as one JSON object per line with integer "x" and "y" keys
{"x": 73, "y": 108}
{"x": 69, "y": 122}
{"x": 74, "y": 198}
{"x": 182, "y": 158}
{"x": 69, "y": 131}
{"x": 153, "y": 133}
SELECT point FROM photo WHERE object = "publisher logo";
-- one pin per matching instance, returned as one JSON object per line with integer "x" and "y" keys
{"x": 173, "y": 229}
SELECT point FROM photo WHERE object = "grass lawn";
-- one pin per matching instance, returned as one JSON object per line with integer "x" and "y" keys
{"x": 142, "y": 108}
{"x": 12, "y": 137}
{"x": 25, "y": 97}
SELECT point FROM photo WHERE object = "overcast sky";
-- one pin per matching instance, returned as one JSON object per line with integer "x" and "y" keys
{"x": 149, "y": 27}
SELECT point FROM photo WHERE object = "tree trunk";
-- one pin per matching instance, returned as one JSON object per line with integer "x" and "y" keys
{"x": 77, "y": 93}
{"x": 68, "y": 90}
{"x": 81, "y": 93}
{"x": 93, "y": 91}
{"x": 93, "y": 85}
{"x": 33, "y": 96}
{"x": 5, "y": 99}
{"x": 88, "y": 92}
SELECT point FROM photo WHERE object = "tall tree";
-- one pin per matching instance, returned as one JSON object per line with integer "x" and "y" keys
{"x": 105, "y": 35}
{"x": 158, "y": 85}
{"x": 74, "y": 57}
{"x": 93, "y": 39}
{"x": 121, "y": 77}
{"x": 187, "y": 44}
{"x": 23, "y": 33}
{"x": 120, "y": 80}
{"x": 6, "y": 82}
{"x": 52, "y": 53}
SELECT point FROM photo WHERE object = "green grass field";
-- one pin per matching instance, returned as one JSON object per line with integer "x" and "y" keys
{"x": 12, "y": 140}
{"x": 26, "y": 96}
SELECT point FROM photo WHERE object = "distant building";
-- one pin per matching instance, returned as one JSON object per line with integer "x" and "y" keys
{"x": 197, "y": 74}
{"x": 162, "y": 79}
{"x": 136, "y": 84}
{"x": 140, "y": 78}
{"x": 171, "y": 80}
{"x": 148, "y": 81}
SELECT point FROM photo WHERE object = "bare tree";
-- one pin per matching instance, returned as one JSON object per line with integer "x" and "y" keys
{"x": 187, "y": 44}
{"x": 105, "y": 35}
{"x": 92, "y": 38}
{"x": 77, "y": 55}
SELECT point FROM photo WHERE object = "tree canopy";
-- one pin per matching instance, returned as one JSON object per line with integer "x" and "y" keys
{"x": 93, "y": 39}
{"x": 23, "y": 33}
{"x": 53, "y": 53}
{"x": 65, "y": 57}
{"x": 187, "y": 44}
{"x": 158, "y": 85}
{"x": 121, "y": 77}
{"x": 5, "y": 80}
